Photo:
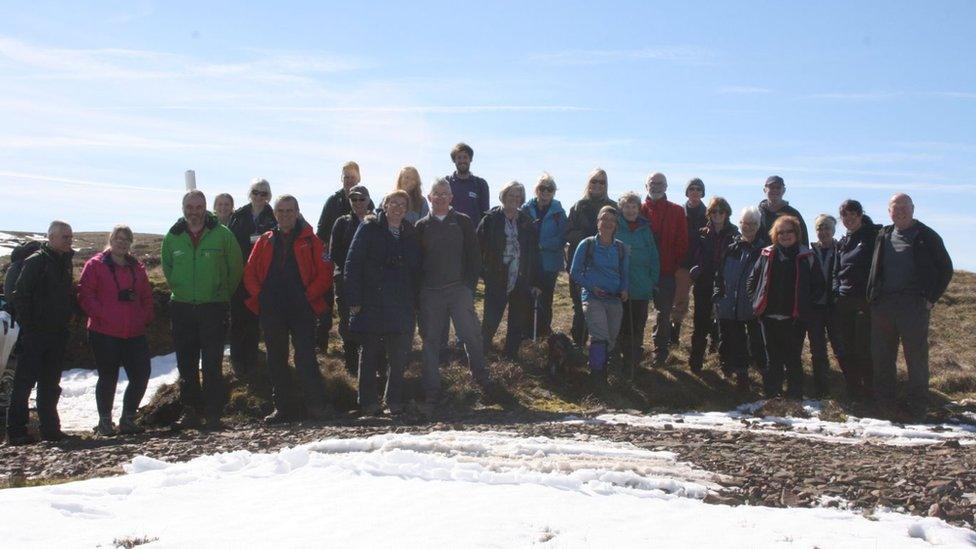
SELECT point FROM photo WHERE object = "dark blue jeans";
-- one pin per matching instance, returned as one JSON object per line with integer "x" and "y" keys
{"x": 379, "y": 350}
{"x": 112, "y": 353}
{"x": 39, "y": 364}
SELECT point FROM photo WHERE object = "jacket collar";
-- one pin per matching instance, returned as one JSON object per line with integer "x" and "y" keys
{"x": 210, "y": 221}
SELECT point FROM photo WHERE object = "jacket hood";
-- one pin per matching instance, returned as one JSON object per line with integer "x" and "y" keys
{"x": 764, "y": 205}
{"x": 105, "y": 256}
{"x": 55, "y": 256}
{"x": 210, "y": 221}
{"x": 246, "y": 210}
{"x": 302, "y": 227}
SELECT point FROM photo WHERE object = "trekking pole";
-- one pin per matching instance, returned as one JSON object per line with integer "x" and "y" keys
{"x": 634, "y": 344}
{"x": 535, "y": 317}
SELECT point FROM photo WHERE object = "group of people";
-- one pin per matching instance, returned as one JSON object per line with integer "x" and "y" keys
{"x": 409, "y": 262}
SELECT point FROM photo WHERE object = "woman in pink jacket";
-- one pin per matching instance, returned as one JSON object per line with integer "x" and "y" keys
{"x": 115, "y": 294}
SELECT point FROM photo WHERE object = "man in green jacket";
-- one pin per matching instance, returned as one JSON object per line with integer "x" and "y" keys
{"x": 203, "y": 266}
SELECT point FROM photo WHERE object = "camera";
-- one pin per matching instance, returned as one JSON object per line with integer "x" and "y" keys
{"x": 127, "y": 295}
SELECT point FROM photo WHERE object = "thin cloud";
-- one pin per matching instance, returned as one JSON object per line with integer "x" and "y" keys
{"x": 675, "y": 54}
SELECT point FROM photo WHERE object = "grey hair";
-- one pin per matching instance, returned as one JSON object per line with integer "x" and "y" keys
{"x": 124, "y": 229}
{"x": 651, "y": 175}
{"x": 195, "y": 193}
{"x": 55, "y": 225}
{"x": 544, "y": 179}
{"x": 628, "y": 197}
{"x": 284, "y": 197}
{"x": 824, "y": 218}
{"x": 441, "y": 182}
{"x": 511, "y": 186}
{"x": 259, "y": 183}
{"x": 751, "y": 213}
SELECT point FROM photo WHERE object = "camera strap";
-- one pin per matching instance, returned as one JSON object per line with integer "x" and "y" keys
{"x": 132, "y": 271}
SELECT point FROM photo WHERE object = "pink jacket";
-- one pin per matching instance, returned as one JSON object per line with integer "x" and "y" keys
{"x": 98, "y": 294}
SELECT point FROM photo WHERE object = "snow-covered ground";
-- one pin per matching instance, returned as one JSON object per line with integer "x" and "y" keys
{"x": 444, "y": 489}
{"x": 77, "y": 404}
{"x": 853, "y": 430}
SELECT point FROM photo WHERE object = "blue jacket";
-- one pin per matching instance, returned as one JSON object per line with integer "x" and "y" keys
{"x": 382, "y": 275}
{"x": 606, "y": 270}
{"x": 552, "y": 234}
{"x": 730, "y": 296}
{"x": 645, "y": 266}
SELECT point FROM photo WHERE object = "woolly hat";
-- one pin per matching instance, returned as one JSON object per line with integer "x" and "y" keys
{"x": 695, "y": 182}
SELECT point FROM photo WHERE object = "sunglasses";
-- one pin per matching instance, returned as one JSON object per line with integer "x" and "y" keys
{"x": 264, "y": 194}
{"x": 786, "y": 231}
{"x": 599, "y": 181}
{"x": 358, "y": 199}
{"x": 547, "y": 189}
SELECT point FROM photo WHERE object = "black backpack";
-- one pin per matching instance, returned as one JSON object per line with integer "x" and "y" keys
{"x": 17, "y": 257}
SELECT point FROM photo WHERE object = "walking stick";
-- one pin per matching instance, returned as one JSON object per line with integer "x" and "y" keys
{"x": 535, "y": 317}
{"x": 634, "y": 344}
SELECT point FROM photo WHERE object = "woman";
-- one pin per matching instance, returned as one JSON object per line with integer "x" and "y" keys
{"x": 248, "y": 223}
{"x": 822, "y": 325}
{"x": 850, "y": 280}
{"x": 409, "y": 181}
{"x": 601, "y": 268}
{"x": 740, "y": 336}
{"x": 341, "y": 238}
{"x": 509, "y": 261}
{"x": 223, "y": 208}
{"x": 382, "y": 281}
{"x": 634, "y": 230}
{"x": 550, "y": 223}
{"x": 115, "y": 294}
{"x": 582, "y": 224}
{"x": 783, "y": 286}
{"x": 714, "y": 239}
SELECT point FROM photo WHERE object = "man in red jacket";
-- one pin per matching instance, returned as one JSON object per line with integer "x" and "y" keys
{"x": 287, "y": 277}
{"x": 671, "y": 235}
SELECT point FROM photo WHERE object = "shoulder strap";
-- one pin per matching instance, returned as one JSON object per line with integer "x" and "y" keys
{"x": 588, "y": 253}
{"x": 621, "y": 250}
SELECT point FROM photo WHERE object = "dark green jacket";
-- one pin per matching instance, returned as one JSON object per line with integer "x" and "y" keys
{"x": 207, "y": 273}
{"x": 45, "y": 294}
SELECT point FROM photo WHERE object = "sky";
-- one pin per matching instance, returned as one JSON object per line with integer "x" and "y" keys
{"x": 104, "y": 105}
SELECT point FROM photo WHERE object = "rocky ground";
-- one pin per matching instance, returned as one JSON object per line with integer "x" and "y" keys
{"x": 759, "y": 468}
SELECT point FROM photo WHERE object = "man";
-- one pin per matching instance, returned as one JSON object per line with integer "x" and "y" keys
{"x": 248, "y": 223}
{"x": 44, "y": 297}
{"x": 335, "y": 207}
{"x": 287, "y": 277}
{"x": 774, "y": 206}
{"x": 450, "y": 269}
{"x": 910, "y": 270}
{"x": 670, "y": 230}
{"x": 470, "y": 191}
{"x": 342, "y": 232}
{"x": 202, "y": 264}
{"x": 696, "y": 220}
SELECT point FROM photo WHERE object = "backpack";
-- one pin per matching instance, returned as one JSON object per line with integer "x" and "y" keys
{"x": 590, "y": 250}
{"x": 17, "y": 257}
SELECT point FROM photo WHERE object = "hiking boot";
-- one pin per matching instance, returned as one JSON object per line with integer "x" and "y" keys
{"x": 493, "y": 393}
{"x": 395, "y": 410}
{"x": 128, "y": 425}
{"x": 675, "y": 334}
{"x": 320, "y": 413}
{"x": 371, "y": 410}
{"x": 20, "y": 439}
{"x": 105, "y": 427}
{"x": 55, "y": 436}
{"x": 214, "y": 423}
{"x": 278, "y": 417}
{"x": 189, "y": 420}
{"x": 742, "y": 383}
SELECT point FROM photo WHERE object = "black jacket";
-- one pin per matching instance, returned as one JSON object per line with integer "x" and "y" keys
{"x": 582, "y": 222}
{"x": 853, "y": 261}
{"x": 471, "y": 260}
{"x": 246, "y": 231}
{"x": 45, "y": 296}
{"x": 933, "y": 266}
{"x": 382, "y": 275}
{"x": 491, "y": 238}
{"x": 712, "y": 246}
{"x": 341, "y": 238}
{"x": 807, "y": 287}
{"x": 768, "y": 217}
{"x": 335, "y": 207}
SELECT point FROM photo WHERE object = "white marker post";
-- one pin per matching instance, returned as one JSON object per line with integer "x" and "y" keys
{"x": 191, "y": 180}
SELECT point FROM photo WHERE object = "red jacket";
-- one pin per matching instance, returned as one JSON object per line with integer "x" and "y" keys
{"x": 316, "y": 271}
{"x": 98, "y": 294}
{"x": 670, "y": 231}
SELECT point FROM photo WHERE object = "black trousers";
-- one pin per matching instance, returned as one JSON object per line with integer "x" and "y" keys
{"x": 703, "y": 322}
{"x": 112, "y": 353}
{"x": 519, "y": 304}
{"x": 784, "y": 347}
{"x": 901, "y": 319}
{"x": 380, "y": 350}
{"x": 300, "y": 328}
{"x": 854, "y": 328}
{"x": 198, "y": 337}
{"x": 741, "y": 344}
{"x": 244, "y": 333}
{"x": 543, "y": 315}
{"x": 821, "y": 327}
{"x": 42, "y": 354}
{"x": 630, "y": 339}
{"x": 578, "y": 332}
{"x": 350, "y": 345}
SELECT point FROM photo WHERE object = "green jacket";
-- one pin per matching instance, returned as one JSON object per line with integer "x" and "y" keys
{"x": 644, "y": 265}
{"x": 208, "y": 273}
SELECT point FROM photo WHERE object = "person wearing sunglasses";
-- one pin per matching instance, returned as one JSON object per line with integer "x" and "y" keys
{"x": 248, "y": 223}
{"x": 550, "y": 221}
{"x": 774, "y": 207}
{"x": 341, "y": 238}
{"x": 783, "y": 285}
